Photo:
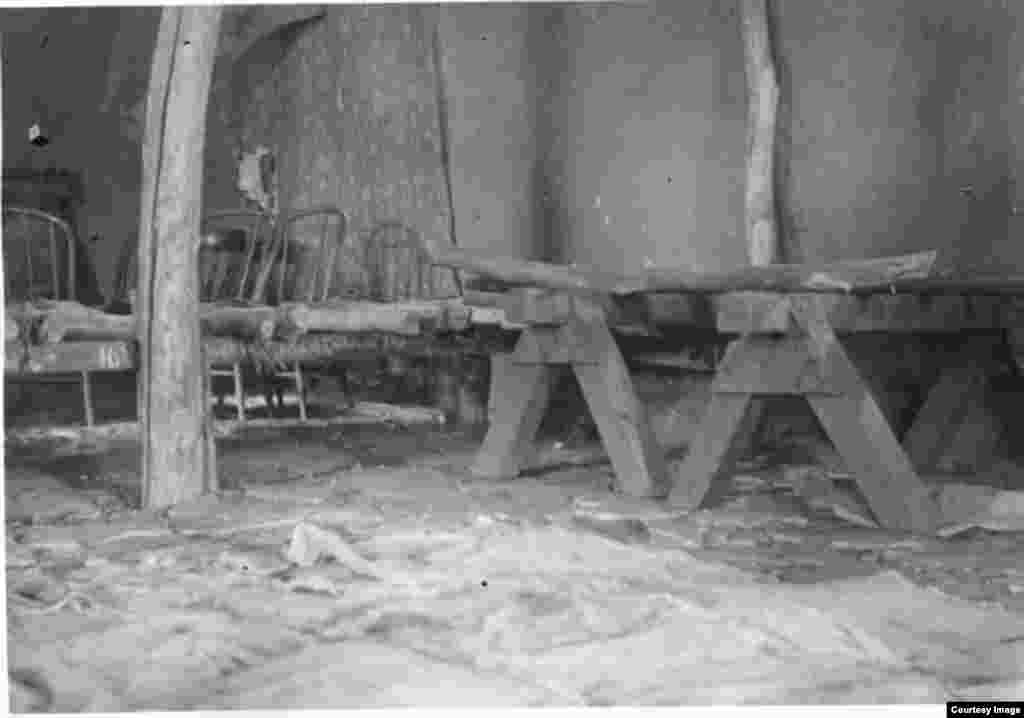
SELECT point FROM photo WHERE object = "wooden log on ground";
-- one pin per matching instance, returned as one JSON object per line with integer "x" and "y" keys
{"x": 176, "y": 449}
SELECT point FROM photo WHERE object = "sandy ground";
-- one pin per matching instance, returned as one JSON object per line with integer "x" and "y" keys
{"x": 356, "y": 563}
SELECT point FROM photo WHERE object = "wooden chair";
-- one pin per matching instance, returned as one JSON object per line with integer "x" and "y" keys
{"x": 300, "y": 267}
{"x": 399, "y": 269}
{"x": 39, "y": 256}
{"x": 232, "y": 249}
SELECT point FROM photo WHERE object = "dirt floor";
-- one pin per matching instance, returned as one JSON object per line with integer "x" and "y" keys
{"x": 356, "y": 563}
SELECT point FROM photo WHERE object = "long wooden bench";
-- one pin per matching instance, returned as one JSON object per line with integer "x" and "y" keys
{"x": 789, "y": 342}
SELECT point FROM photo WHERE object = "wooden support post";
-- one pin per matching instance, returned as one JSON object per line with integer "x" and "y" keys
{"x": 763, "y": 100}
{"x": 812, "y": 364}
{"x": 762, "y": 227}
{"x": 172, "y": 409}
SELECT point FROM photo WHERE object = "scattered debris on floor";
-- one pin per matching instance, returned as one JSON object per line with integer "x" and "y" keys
{"x": 360, "y": 566}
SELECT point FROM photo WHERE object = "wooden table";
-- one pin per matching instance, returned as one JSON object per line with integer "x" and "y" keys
{"x": 787, "y": 344}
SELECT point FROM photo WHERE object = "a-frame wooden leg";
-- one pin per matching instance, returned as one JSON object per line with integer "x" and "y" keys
{"x": 728, "y": 420}
{"x": 940, "y": 417}
{"x": 884, "y": 473}
{"x": 522, "y": 394}
{"x": 860, "y": 431}
{"x": 622, "y": 420}
{"x": 814, "y": 365}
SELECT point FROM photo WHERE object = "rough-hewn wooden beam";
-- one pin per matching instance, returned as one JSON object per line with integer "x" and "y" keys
{"x": 173, "y": 405}
{"x": 763, "y": 100}
{"x": 831, "y": 277}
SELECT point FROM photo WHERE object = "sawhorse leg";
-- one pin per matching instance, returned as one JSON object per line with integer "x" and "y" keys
{"x": 813, "y": 364}
{"x": 522, "y": 386}
{"x": 957, "y": 400}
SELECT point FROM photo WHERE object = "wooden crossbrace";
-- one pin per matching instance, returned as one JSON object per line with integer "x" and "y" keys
{"x": 811, "y": 362}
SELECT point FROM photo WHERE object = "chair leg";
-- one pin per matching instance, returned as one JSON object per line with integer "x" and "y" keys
{"x": 300, "y": 389}
{"x": 90, "y": 415}
{"x": 236, "y": 370}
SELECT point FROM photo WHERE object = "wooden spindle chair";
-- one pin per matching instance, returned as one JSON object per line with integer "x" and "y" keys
{"x": 232, "y": 248}
{"x": 399, "y": 269}
{"x": 300, "y": 268}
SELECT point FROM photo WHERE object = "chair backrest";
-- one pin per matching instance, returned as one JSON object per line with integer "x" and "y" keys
{"x": 234, "y": 244}
{"x": 302, "y": 264}
{"x": 38, "y": 254}
{"x": 399, "y": 267}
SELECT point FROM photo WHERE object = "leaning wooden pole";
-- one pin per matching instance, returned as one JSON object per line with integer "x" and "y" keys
{"x": 177, "y": 445}
{"x": 763, "y": 102}
{"x": 763, "y": 98}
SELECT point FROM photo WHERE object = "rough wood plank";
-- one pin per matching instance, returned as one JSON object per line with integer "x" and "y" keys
{"x": 70, "y": 321}
{"x": 780, "y": 365}
{"x": 173, "y": 404}
{"x": 622, "y": 420}
{"x": 729, "y": 419}
{"x": 523, "y": 392}
{"x": 355, "y": 317}
{"x": 743, "y": 312}
{"x": 576, "y": 342}
{"x": 834, "y": 277}
{"x": 71, "y": 357}
{"x": 407, "y": 318}
{"x": 829, "y": 278}
{"x": 534, "y": 305}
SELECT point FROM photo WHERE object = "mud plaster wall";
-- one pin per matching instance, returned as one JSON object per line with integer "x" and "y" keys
{"x": 895, "y": 108}
{"x": 351, "y": 111}
{"x": 573, "y": 139}
{"x": 95, "y": 124}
